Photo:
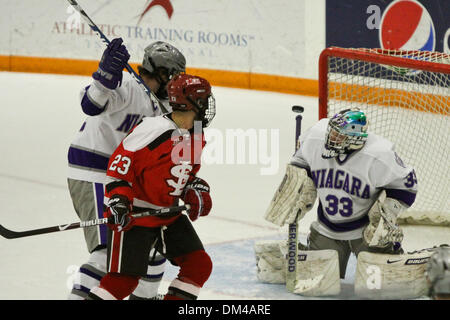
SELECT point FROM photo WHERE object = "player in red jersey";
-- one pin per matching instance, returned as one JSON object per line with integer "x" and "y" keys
{"x": 155, "y": 166}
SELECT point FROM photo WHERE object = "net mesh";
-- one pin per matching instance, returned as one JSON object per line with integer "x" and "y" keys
{"x": 408, "y": 105}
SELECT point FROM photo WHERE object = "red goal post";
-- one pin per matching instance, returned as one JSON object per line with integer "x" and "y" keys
{"x": 406, "y": 97}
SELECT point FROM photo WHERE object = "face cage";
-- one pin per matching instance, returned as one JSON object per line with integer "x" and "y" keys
{"x": 205, "y": 115}
{"x": 340, "y": 143}
{"x": 210, "y": 112}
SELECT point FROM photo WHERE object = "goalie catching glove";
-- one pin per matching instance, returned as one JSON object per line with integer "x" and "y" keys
{"x": 196, "y": 194}
{"x": 383, "y": 230}
{"x": 293, "y": 199}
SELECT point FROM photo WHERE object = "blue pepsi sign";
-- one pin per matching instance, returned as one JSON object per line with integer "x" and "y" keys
{"x": 395, "y": 24}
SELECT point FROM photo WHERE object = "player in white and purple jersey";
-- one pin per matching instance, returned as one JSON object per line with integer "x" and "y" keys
{"x": 114, "y": 104}
{"x": 350, "y": 169}
{"x": 360, "y": 181}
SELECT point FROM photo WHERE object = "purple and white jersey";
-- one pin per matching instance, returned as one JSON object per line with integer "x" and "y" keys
{"x": 111, "y": 115}
{"x": 348, "y": 185}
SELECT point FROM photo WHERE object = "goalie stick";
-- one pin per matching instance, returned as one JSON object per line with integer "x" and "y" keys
{"x": 10, "y": 234}
{"x": 292, "y": 257}
{"x": 94, "y": 28}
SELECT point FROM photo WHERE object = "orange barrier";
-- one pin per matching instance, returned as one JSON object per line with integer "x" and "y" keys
{"x": 390, "y": 97}
{"x": 233, "y": 79}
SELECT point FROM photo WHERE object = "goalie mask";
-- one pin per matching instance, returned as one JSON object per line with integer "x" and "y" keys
{"x": 163, "y": 61}
{"x": 347, "y": 131}
{"x": 187, "y": 92}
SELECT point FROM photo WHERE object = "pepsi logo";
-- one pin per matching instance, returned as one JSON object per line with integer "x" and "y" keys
{"x": 407, "y": 25}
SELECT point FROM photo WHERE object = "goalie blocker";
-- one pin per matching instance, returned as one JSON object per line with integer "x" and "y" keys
{"x": 293, "y": 199}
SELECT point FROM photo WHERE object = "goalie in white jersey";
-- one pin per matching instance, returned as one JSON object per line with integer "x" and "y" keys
{"x": 114, "y": 103}
{"x": 361, "y": 183}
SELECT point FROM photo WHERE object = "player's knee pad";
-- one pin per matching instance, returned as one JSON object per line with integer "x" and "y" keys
{"x": 88, "y": 275}
{"x": 391, "y": 276}
{"x": 195, "y": 269}
{"x": 195, "y": 266}
{"x": 317, "y": 273}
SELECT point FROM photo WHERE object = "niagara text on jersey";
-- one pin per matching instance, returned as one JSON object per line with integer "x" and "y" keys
{"x": 153, "y": 164}
{"x": 348, "y": 185}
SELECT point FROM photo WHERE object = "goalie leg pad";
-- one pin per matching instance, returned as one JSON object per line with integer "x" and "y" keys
{"x": 391, "y": 276}
{"x": 317, "y": 273}
{"x": 270, "y": 261}
{"x": 293, "y": 199}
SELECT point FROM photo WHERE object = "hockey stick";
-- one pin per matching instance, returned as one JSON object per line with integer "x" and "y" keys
{"x": 292, "y": 258}
{"x": 10, "y": 234}
{"x": 94, "y": 28}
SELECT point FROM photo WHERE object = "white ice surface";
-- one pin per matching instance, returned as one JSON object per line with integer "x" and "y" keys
{"x": 39, "y": 117}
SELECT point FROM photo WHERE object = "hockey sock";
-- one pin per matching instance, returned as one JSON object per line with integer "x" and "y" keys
{"x": 89, "y": 275}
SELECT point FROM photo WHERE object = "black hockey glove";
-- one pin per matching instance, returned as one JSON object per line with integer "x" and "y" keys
{"x": 119, "y": 209}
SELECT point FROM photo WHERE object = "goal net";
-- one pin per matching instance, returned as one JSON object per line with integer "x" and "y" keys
{"x": 406, "y": 97}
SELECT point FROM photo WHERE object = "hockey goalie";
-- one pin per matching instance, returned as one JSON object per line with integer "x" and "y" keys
{"x": 362, "y": 186}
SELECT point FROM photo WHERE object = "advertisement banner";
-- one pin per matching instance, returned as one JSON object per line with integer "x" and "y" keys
{"x": 398, "y": 24}
{"x": 246, "y": 36}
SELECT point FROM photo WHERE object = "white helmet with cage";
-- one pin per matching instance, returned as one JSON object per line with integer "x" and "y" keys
{"x": 347, "y": 131}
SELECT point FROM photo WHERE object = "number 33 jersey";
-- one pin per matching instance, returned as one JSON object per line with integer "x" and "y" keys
{"x": 348, "y": 185}
{"x": 152, "y": 165}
